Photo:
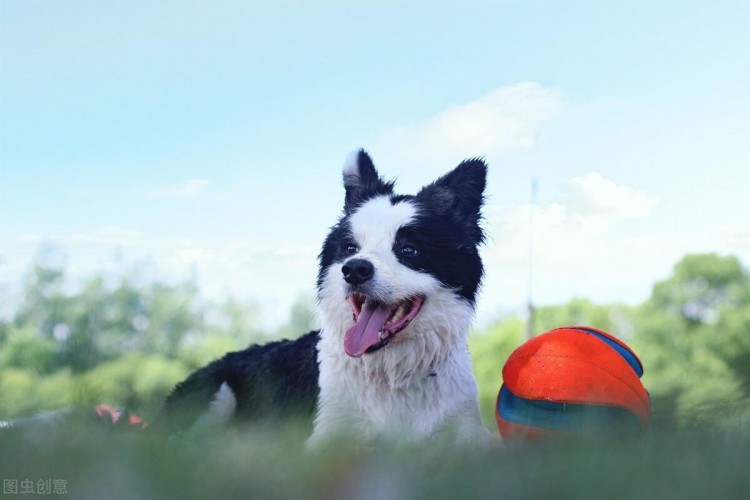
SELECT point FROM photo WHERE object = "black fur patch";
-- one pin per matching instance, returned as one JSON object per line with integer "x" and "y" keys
{"x": 443, "y": 252}
{"x": 271, "y": 381}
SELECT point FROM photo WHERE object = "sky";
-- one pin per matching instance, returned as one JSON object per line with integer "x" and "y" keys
{"x": 205, "y": 140}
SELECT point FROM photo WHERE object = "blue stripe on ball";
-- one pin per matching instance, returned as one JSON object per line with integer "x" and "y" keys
{"x": 622, "y": 351}
{"x": 563, "y": 417}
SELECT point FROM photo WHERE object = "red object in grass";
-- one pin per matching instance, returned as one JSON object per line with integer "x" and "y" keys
{"x": 115, "y": 417}
{"x": 570, "y": 381}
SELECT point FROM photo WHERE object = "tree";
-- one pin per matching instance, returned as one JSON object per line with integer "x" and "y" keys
{"x": 301, "y": 318}
{"x": 490, "y": 350}
{"x": 701, "y": 287}
{"x": 692, "y": 335}
{"x": 612, "y": 318}
{"x": 44, "y": 305}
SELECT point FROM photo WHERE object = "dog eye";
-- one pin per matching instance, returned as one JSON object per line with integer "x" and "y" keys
{"x": 351, "y": 249}
{"x": 408, "y": 251}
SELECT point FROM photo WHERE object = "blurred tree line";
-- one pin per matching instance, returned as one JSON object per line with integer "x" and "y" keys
{"x": 126, "y": 343}
{"x": 117, "y": 341}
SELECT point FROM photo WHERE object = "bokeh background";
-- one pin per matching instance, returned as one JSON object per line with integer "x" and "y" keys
{"x": 168, "y": 172}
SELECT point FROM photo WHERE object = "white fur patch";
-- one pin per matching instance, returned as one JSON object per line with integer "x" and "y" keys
{"x": 220, "y": 410}
{"x": 375, "y": 222}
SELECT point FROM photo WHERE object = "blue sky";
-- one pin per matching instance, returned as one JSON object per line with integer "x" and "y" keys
{"x": 209, "y": 136}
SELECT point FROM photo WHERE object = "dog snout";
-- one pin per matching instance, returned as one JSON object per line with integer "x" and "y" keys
{"x": 358, "y": 271}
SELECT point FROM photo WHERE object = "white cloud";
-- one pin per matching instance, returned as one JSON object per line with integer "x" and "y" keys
{"x": 572, "y": 231}
{"x": 578, "y": 248}
{"x": 109, "y": 235}
{"x": 593, "y": 195}
{"x": 509, "y": 117}
{"x": 187, "y": 189}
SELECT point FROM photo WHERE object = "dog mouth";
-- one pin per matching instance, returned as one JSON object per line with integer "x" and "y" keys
{"x": 376, "y": 323}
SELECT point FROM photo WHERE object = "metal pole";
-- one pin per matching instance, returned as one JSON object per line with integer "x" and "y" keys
{"x": 530, "y": 304}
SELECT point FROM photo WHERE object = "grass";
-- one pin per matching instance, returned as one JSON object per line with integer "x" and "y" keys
{"x": 273, "y": 463}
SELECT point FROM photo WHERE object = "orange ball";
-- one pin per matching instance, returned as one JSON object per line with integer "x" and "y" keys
{"x": 570, "y": 381}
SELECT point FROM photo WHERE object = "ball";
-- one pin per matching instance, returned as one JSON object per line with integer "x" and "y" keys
{"x": 571, "y": 381}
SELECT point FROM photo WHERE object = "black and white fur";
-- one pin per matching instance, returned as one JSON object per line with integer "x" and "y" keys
{"x": 410, "y": 258}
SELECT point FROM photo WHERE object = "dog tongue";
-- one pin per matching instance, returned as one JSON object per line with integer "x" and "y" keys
{"x": 364, "y": 333}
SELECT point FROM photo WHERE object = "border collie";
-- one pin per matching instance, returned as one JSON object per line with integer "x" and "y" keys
{"x": 396, "y": 290}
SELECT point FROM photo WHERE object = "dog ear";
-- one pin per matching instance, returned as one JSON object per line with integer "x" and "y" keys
{"x": 361, "y": 180}
{"x": 460, "y": 193}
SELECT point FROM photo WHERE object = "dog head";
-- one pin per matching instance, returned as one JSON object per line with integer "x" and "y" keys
{"x": 397, "y": 268}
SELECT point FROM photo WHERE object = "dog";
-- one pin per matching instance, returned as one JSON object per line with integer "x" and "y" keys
{"x": 397, "y": 286}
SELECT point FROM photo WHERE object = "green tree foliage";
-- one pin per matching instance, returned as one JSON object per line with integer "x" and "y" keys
{"x": 701, "y": 288}
{"x": 133, "y": 381}
{"x": 301, "y": 317}
{"x": 24, "y": 349}
{"x": 693, "y": 334}
{"x": 112, "y": 341}
{"x": 611, "y": 318}
{"x": 489, "y": 350}
{"x": 45, "y": 305}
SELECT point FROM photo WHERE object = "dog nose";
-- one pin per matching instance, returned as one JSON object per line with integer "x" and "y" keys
{"x": 357, "y": 271}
